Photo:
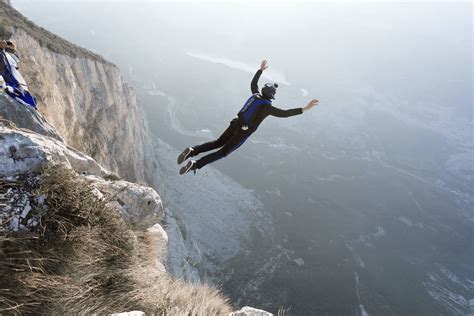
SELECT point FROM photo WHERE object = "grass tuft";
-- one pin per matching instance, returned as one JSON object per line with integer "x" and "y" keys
{"x": 84, "y": 258}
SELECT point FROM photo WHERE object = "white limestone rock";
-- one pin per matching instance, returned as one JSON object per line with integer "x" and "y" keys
{"x": 22, "y": 151}
{"x": 23, "y": 116}
{"x": 250, "y": 311}
{"x": 138, "y": 204}
{"x": 20, "y": 209}
{"x": 157, "y": 229}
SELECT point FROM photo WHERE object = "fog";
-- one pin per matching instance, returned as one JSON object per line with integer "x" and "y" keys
{"x": 372, "y": 189}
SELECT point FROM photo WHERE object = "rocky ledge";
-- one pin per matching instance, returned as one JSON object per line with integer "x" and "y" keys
{"x": 28, "y": 142}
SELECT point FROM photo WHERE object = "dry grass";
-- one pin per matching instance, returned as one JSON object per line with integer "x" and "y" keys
{"x": 83, "y": 259}
{"x": 167, "y": 296}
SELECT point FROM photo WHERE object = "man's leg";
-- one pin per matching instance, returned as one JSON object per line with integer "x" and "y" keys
{"x": 235, "y": 142}
{"x": 233, "y": 128}
{"x": 221, "y": 141}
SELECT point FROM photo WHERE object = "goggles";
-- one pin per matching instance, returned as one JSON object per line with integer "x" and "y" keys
{"x": 271, "y": 85}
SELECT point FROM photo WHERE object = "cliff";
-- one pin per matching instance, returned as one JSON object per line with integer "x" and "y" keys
{"x": 94, "y": 112}
{"x": 90, "y": 106}
{"x": 82, "y": 95}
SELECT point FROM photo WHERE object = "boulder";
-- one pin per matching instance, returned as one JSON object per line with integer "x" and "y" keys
{"x": 138, "y": 204}
{"x": 22, "y": 151}
{"x": 25, "y": 117}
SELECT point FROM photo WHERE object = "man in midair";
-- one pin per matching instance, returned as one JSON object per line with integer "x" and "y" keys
{"x": 254, "y": 111}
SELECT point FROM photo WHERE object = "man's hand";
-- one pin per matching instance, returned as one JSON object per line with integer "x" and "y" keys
{"x": 310, "y": 105}
{"x": 263, "y": 65}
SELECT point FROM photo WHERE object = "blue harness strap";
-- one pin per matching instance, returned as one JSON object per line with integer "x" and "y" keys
{"x": 251, "y": 106}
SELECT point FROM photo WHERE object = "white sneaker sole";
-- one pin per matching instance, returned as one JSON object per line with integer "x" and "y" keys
{"x": 184, "y": 155}
{"x": 186, "y": 168}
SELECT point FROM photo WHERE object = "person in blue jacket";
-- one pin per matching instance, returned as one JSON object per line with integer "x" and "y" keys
{"x": 254, "y": 111}
{"x": 14, "y": 84}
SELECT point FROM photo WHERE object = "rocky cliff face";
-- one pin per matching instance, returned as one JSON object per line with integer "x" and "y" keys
{"x": 85, "y": 98}
{"x": 82, "y": 95}
{"x": 89, "y": 104}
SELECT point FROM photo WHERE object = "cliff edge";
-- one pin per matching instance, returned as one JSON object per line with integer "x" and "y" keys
{"x": 74, "y": 238}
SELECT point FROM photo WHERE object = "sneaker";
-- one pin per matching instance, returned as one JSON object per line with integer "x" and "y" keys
{"x": 185, "y": 155}
{"x": 190, "y": 166}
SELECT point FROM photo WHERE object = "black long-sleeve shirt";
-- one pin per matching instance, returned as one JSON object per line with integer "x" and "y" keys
{"x": 267, "y": 109}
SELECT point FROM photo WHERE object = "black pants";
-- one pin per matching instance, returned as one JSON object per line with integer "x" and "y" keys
{"x": 229, "y": 141}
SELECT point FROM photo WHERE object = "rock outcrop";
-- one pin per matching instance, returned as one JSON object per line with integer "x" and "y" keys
{"x": 250, "y": 311}
{"x": 20, "y": 207}
{"x": 140, "y": 205}
{"x": 23, "y": 150}
{"x": 26, "y": 116}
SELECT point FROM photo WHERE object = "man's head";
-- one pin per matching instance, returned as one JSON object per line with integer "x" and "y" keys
{"x": 11, "y": 47}
{"x": 269, "y": 90}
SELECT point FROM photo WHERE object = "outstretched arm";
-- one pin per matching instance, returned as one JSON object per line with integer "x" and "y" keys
{"x": 274, "y": 111}
{"x": 254, "y": 83}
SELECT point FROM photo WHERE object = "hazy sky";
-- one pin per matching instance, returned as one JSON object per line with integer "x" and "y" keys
{"x": 415, "y": 52}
